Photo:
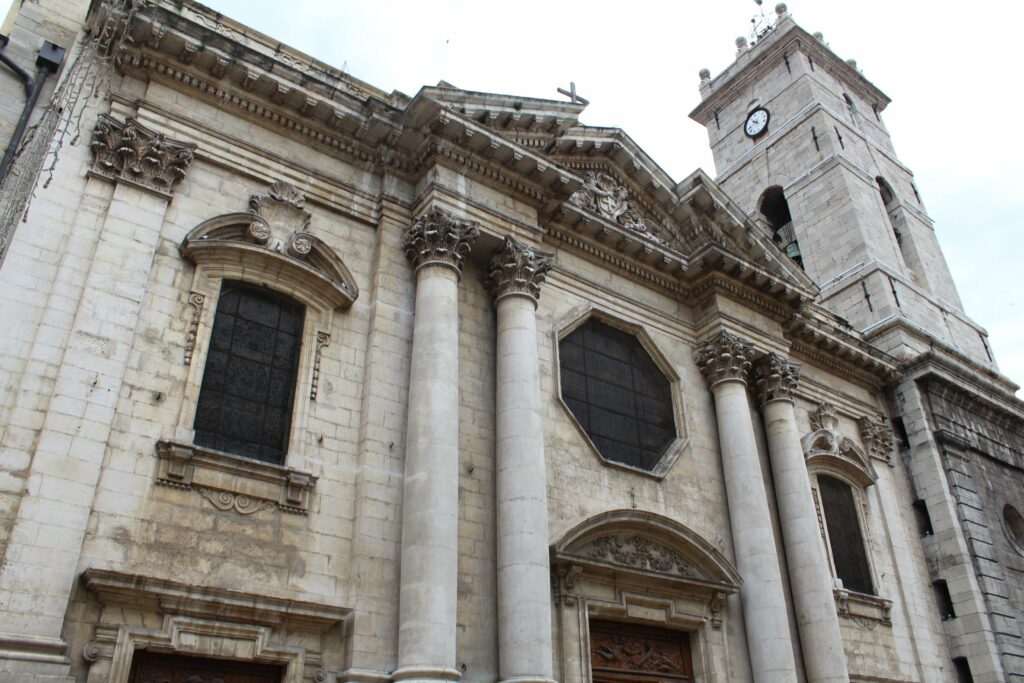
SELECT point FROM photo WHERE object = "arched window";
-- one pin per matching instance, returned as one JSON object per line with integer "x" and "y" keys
{"x": 846, "y": 541}
{"x": 898, "y": 223}
{"x": 775, "y": 209}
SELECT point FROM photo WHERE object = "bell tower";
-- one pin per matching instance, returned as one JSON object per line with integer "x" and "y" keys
{"x": 799, "y": 142}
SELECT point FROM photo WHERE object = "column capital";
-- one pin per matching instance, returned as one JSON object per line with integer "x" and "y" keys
{"x": 724, "y": 357}
{"x": 877, "y": 437}
{"x": 144, "y": 157}
{"x": 439, "y": 238}
{"x": 517, "y": 269}
{"x": 776, "y": 378}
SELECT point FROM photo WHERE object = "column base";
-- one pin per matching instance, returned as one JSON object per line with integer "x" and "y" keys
{"x": 527, "y": 679}
{"x": 426, "y": 674}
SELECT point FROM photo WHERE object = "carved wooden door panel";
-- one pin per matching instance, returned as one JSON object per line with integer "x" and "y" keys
{"x": 157, "y": 668}
{"x": 624, "y": 653}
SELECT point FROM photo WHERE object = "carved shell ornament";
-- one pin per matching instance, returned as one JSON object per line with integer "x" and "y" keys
{"x": 608, "y": 198}
{"x": 280, "y": 221}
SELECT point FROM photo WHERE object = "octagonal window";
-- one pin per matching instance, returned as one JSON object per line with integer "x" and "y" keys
{"x": 617, "y": 393}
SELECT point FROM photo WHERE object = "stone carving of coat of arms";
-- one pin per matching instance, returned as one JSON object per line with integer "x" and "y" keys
{"x": 608, "y": 198}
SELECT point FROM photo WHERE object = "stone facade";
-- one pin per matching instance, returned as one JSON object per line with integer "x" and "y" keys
{"x": 445, "y": 509}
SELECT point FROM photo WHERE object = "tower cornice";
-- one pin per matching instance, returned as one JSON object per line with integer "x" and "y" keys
{"x": 754, "y": 63}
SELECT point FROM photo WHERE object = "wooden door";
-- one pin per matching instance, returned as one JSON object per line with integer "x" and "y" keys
{"x": 158, "y": 668}
{"x": 626, "y": 653}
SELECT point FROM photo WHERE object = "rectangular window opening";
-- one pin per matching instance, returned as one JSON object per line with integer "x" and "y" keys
{"x": 944, "y": 600}
{"x": 963, "y": 670}
{"x": 248, "y": 388}
{"x": 924, "y": 520}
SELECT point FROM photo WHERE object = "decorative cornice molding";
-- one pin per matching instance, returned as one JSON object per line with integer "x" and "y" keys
{"x": 878, "y": 439}
{"x": 131, "y": 152}
{"x": 776, "y": 378}
{"x": 438, "y": 238}
{"x": 517, "y": 269}
{"x": 724, "y": 357}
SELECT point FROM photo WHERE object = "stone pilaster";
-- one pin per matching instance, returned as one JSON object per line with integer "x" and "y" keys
{"x": 38, "y": 571}
{"x": 810, "y": 577}
{"x": 436, "y": 244}
{"x": 514, "y": 276}
{"x": 725, "y": 362}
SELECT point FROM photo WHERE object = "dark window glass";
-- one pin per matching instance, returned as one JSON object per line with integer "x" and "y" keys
{"x": 617, "y": 393}
{"x": 245, "y": 401}
{"x": 851, "y": 561}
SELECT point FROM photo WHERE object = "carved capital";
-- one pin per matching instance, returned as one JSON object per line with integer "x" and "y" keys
{"x": 438, "y": 238}
{"x": 724, "y": 357}
{"x": 517, "y": 269}
{"x": 776, "y": 378}
{"x": 131, "y": 152}
{"x": 877, "y": 438}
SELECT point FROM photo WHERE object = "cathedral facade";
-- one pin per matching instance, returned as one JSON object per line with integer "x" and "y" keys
{"x": 307, "y": 381}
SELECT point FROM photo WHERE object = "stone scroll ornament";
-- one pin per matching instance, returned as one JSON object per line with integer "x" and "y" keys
{"x": 517, "y": 269}
{"x": 439, "y": 238}
{"x": 724, "y": 357}
{"x": 776, "y": 378}
{"x": 608, "y": 198}
{"x": 129, "y": 151}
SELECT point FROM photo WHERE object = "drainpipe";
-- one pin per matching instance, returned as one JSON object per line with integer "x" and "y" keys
{"x": 48, "y": 61}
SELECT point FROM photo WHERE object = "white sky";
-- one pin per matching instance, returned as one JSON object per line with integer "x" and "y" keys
{"x": 953, "y": 71}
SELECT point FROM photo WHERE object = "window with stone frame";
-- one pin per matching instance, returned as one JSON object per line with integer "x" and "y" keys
{"x": 846, "y": 540}
{"x": 617, "y": 393}
{"x": 248, "y": 386}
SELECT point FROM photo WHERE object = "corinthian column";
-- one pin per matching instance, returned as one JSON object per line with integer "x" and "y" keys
{"x": 436, "y": 244}
{"x": 514, "y": 275}
{"x": 816, "y": 618}
{"x": 725, "y": 361}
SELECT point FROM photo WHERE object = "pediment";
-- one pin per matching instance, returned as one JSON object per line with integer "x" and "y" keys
{"x": 274, "y": 237}
{"x": 645, "y": 544}
{"x": 508, "y": 115}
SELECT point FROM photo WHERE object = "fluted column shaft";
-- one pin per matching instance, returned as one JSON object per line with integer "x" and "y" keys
{"x": 724, "y": 361}
{"x": 514, "y": 275}
{"x": 436, "y": 244}
{"x": 810, "y": 577}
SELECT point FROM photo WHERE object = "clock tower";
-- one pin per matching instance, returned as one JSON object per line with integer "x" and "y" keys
{"x": 799, "y": 142}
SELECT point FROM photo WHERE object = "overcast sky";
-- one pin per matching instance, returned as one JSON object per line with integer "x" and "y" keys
{"x": 953, "y": 71}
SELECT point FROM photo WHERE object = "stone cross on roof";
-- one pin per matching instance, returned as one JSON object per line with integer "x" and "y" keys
{"x": 571, "y": 94}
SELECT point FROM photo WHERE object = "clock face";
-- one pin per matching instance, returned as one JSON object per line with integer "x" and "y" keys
{"x": 757, "y": 122}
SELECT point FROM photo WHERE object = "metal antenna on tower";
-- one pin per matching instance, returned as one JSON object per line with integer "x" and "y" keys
{"x": 759, "y": 23}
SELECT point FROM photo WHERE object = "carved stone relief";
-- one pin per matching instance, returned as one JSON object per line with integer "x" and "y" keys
{"x": 638, "y": 552}
{"x": 233, "y": 483}
{"x": 826, "y": 447}
{"x": 129, "y": 151}
{"x": 878, "y": 439}
{"x": 323, "y": 340}
{"x": 604, "y": 195}
{"x": 196, "y": 301}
